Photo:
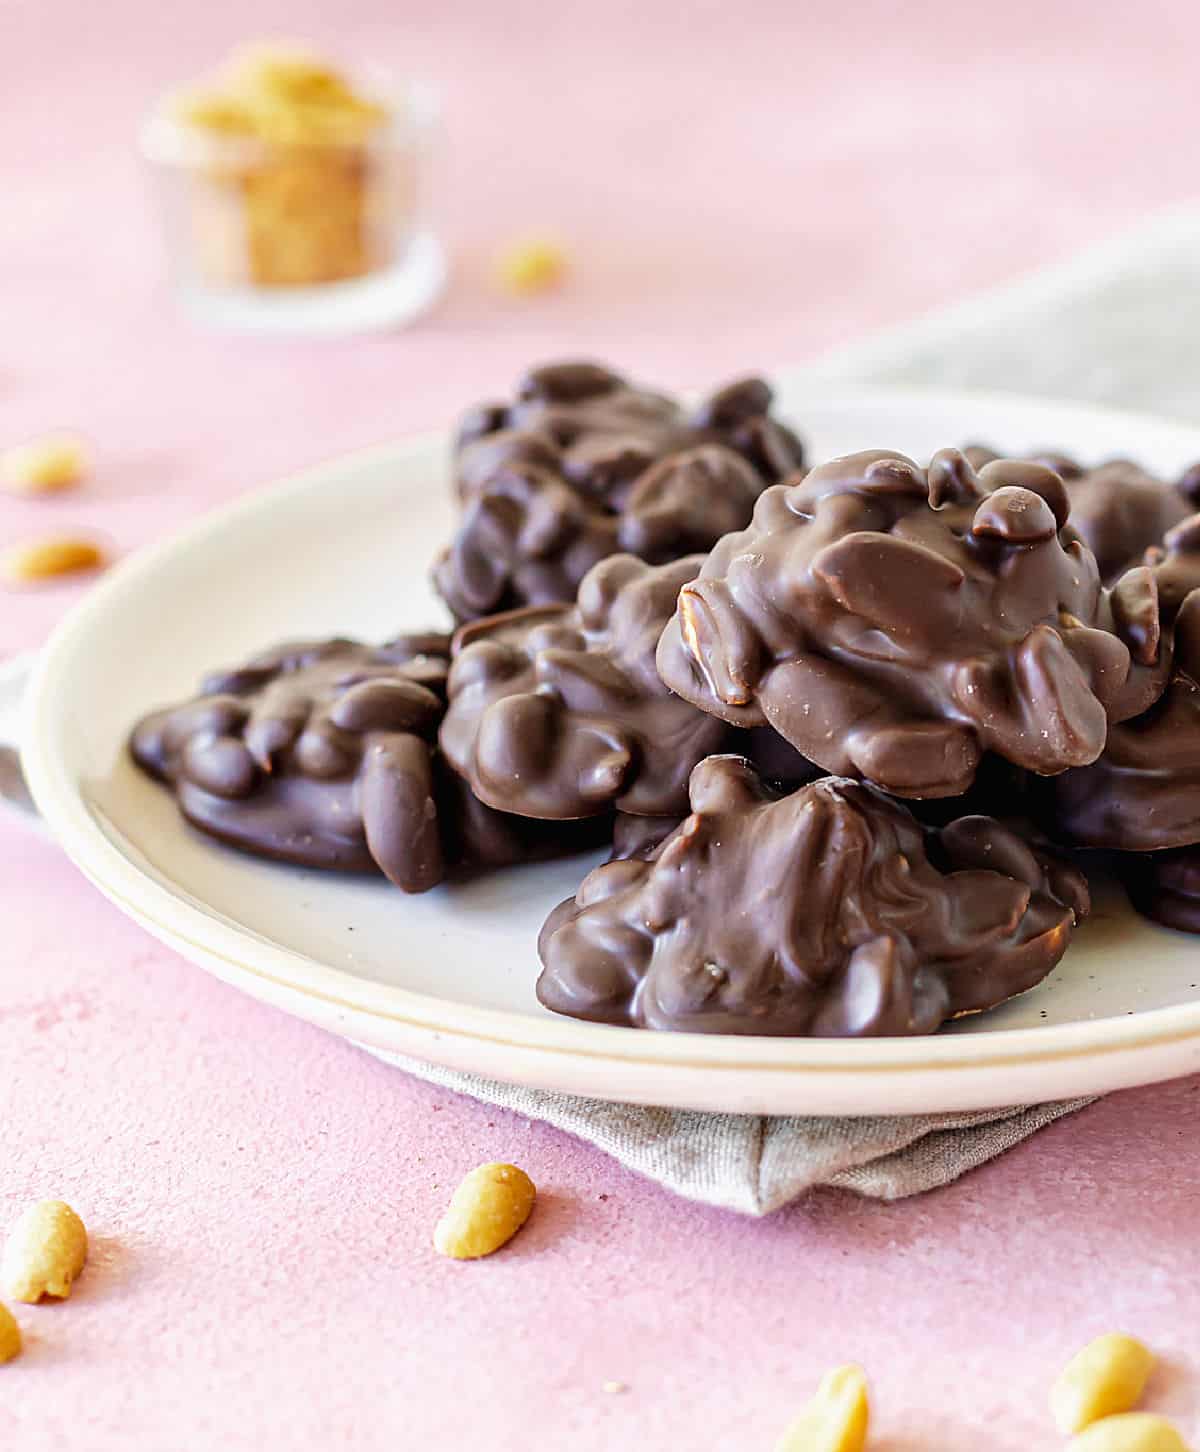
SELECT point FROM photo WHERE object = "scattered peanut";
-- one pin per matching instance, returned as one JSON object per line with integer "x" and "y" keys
{"x": 531, "y": 265}
{"x": 44, "y": 1253}
{"x": 1129, "y": 1432}
{"x": 835, "y": 1420}
{"x": 1107, "y": 1376}
{"x": 45, "y": 559}
{"x": 485, "y": 1212}
{"x": 613, "y": 1387}
{"x": 10, "y": 1335}
{"x": 44, "y": 466}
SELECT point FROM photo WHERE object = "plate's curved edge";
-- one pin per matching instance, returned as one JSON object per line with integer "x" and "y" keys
{"x": 282, "y": 972}
{"x": 752, "y": 1086}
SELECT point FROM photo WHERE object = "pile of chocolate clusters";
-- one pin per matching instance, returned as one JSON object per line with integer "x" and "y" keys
{"x": 847, "y": 731}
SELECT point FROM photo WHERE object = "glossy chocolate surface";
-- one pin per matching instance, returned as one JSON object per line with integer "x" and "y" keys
{"x": 1143, "y": 793}
{"x": 1176, "y": 566}
{"x": 830, "y": 911}
{"x": 582, "y": 464}
{"x": 896, "y": 623}
{"x": 581, "y": 420}
{"x": 1165, "y": 886}
{"x": 322, "y": 753}
{"x": 558, "y": 711}
{"x": 640, "y": 836}
{"x": 1118, "y": 508}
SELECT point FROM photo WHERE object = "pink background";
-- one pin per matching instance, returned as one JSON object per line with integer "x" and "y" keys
{"x": 739, "y": 186}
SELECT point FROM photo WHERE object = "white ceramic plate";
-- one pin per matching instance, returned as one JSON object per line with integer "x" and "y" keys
{"x": 449, "y": 977}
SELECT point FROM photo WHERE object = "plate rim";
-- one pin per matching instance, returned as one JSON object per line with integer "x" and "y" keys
{"x": 276, "y": 968}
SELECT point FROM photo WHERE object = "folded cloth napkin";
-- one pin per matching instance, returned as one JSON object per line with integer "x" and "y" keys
{"x": 1108, "y": 327}
{"x": 756, "y": 1163}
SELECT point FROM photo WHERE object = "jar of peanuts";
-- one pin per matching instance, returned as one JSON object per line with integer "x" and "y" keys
{"x": 295, "y": 198}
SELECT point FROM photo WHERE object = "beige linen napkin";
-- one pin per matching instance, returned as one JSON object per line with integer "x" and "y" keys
{"x": 1114, "y": 326}
{"x": 757, "y": 1163}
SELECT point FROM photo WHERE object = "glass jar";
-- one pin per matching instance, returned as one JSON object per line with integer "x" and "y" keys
{"x": 291, "y": 233}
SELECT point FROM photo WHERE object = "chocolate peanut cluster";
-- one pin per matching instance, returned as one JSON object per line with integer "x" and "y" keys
{"x": 322, "y": 753}
{"x": 583, "y": 464}
{"x": 895, "y": 623}
{"x": 828, "y": 912}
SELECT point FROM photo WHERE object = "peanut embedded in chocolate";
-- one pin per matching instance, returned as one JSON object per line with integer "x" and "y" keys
{"x": 1118, "y": 508}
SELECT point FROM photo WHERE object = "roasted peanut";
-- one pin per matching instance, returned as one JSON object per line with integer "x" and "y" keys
{"x": 532, "y": 265}
{"x": 485, "y": 1212}
{"x": 45, "y": 466}
{"x": 10, "y": 1335}
{"x": 282, "y": 96}
{"x": 45, "y": 559}
{"x": 835, "y": 1420}
{"x": 44, "y": 1253}
{"x": 292, "y": 75}
{"x": 1107, "y": 1376}
{"x": 1129, "y": 1432}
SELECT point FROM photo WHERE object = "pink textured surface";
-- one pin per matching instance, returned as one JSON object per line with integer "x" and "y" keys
{"x": 739, "y": 185}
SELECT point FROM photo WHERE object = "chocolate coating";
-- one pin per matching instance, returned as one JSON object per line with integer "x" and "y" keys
{"x": 827, "y": 912}
{"x": 580, "y": 420}
{"x": 527, "y": 538}
{"x": 558, "y": 711}
{"x": 640, "y": 836}
{"x": 1165, "y": 886}
{"x": 1176, "y": 566}
{"x": 739, "y": 417}
{"x": 1118, "y": 508}
{"x": 779, "y": 766}
{"x": 686, "y": 501}
{"x": 999, "y": 790}
{"x": 583, "y": 464}
{"x": 895, "y": 623}
{"x": 476, "y": 838}
{"x": 1143, "y": 793}
{"x": 321, "y": 753}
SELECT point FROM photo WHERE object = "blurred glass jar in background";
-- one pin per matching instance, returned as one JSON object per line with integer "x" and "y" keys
{"x": 295, "y": 201}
